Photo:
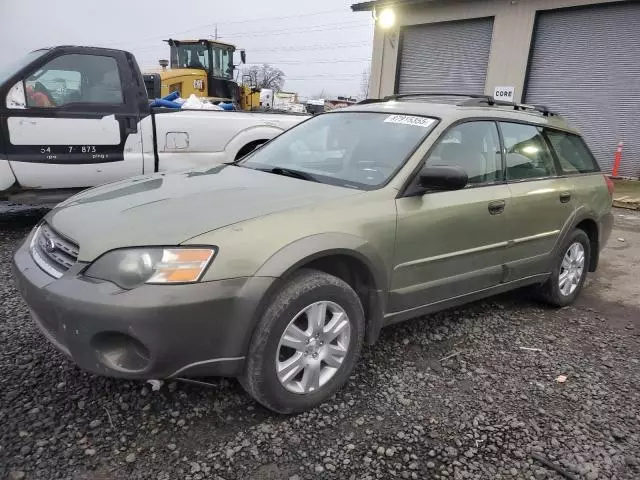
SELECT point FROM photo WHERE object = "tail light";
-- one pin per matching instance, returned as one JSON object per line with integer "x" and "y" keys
{"x": 610, "y": 186}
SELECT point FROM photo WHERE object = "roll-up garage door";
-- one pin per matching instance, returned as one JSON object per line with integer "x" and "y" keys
{"x": 445, "y": 57}
{"x": 585, "y": 64}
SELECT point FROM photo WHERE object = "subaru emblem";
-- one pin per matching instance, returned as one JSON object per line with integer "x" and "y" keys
{"x": 50, "y": 245}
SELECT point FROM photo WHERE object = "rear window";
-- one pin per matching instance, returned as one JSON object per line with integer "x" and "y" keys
{"x": 527, "y": 154}
{"x": 572, "y": 152}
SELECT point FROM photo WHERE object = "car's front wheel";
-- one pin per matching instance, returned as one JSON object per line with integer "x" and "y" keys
{"x": 306, "y": 343}
{"x": 569, "y": 272}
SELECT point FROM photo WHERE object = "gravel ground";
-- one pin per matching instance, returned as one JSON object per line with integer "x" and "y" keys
{"x": 468, "y": 393}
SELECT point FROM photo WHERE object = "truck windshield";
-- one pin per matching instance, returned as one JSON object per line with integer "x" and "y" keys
{"x": 190, "y": 55}
{"x": 196, "y": 55}
{"x": 8, "y": 70}
{"x": 353, "y": 149}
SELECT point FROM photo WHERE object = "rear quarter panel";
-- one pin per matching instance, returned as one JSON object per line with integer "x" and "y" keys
{"x": 592, "y": 200}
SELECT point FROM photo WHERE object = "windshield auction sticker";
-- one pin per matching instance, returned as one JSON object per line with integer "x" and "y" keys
{"x": 410, "y": 120}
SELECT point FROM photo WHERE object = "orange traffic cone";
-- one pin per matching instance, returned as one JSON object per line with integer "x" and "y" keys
{"x": 616, "y": 160}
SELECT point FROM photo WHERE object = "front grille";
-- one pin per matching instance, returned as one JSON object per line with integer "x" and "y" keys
{"x": 52, "y": 252}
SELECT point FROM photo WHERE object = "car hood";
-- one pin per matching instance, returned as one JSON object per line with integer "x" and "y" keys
{"x": 170, "y": 208}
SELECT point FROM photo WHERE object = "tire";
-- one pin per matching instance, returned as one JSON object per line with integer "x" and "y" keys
{"x": 303, "y": 294}
{"x": 551, "y": 292}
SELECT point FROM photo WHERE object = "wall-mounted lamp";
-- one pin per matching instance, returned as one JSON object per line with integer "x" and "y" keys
{"x": 386, "y": 18}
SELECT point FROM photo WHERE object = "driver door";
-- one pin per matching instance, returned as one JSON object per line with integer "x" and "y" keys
{"x": 450, "y": 244}
{"x": 70, "y": 123}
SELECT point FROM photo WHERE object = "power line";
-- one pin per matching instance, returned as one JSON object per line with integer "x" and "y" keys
{"x": 297, "y": 48}
{"x": 276, "y": 32}
{"x": 312, "y": 28}
{"x": 318, "y": 46}
{"x": 334, "y": 80}
{"x": 324, "y": 75}
{"x": 297, "y": 62}
{"x": 234, "y": 22}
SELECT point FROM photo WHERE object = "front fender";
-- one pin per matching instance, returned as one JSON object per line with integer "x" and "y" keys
{"x": 7, "y": 178}
{"x": 303, "y": 251}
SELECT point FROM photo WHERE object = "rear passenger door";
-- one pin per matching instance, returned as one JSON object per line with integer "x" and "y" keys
{"x": 542, "y": 200}
{"x": 450, "y": 244}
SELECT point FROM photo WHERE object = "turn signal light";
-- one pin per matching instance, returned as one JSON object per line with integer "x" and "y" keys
{"x": 181, "y": 265}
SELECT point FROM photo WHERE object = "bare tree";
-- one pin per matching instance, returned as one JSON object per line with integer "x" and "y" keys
{"x": 364, "y": 83}
{"x": 266, "y": 76}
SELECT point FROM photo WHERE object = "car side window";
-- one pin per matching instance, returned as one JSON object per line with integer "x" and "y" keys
{"x": 572, "y": 152}
{"x": 527, "y": 154}
{"x": 74, "y": 78}
{"x": 473, "y": 146}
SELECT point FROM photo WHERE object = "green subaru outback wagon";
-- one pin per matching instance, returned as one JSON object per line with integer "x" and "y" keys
{"x": 276, "y": 269}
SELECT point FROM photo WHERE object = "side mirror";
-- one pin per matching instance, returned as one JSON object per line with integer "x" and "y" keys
{"x": 443, "y": 178}
{"x": 243, "y": 56}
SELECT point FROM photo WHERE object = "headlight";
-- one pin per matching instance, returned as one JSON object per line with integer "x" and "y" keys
{"x": 129, "y": 268}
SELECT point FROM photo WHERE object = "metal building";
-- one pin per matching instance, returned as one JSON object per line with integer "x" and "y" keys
{"x": 578, "y": 57}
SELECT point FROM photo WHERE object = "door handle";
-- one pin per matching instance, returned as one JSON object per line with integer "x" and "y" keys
{"x": 565, "y": 197}
{"x": 497, "y": 207}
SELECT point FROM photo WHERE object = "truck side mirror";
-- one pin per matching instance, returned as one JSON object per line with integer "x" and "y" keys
{"x": 16, "y": 98}
{"x": 243, "y": 56}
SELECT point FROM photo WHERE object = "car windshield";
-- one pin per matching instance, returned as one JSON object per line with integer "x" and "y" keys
{"x": 12, "y": 67}
{"x": 352, "y": 149}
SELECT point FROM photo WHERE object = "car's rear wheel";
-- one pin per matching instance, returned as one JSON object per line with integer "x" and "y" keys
{"x": 306, "y": 343}
{"x": 569, "y": 272}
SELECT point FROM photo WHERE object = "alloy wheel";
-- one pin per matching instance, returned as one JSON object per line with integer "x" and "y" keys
{"x": 572, "y": 269}
{"x": 313, "y": 347}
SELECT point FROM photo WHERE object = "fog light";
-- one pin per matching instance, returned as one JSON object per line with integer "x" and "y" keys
{"x": 121, "y": 352}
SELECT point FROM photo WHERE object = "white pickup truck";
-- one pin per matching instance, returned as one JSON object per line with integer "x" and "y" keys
{"x": 72, "y": 117}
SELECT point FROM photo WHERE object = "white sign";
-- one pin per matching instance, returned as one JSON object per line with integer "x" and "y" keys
{"x": 504, "y": 93}
{"x": 410, "y": 120}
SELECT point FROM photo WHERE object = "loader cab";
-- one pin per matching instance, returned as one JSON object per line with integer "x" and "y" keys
{"x": 215, "y": 62}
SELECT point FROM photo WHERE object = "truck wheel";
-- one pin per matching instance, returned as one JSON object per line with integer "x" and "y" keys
{"x": 569, "y": 272}
{"x": 306, "y": 343}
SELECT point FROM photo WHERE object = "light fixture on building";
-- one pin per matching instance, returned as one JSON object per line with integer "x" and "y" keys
{"x": 386, "y": 18}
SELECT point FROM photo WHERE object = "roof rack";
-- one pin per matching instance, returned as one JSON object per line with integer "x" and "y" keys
{"x": 399, "y": 96}
{"x": 472, "y": 102}
{"x": 473, "y": 99}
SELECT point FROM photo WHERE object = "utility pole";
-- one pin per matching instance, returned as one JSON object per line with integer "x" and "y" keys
{"x": 216, "y": 34}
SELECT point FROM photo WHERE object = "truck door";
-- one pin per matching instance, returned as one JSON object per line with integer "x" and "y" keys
{"x": 72, "y": 120}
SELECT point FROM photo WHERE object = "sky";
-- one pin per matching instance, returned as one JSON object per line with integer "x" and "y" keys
{"x": 322, "y": 47}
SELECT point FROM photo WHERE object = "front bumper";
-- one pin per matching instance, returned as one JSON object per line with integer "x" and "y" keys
{"x": 153, "y": 331}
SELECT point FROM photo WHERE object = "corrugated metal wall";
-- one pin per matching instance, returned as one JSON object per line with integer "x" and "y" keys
{"x": 585, "y": 64}
{"x": 445, "y": 57}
